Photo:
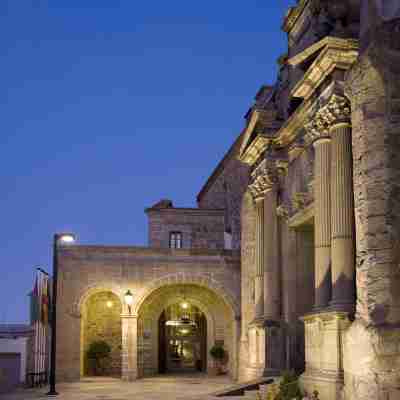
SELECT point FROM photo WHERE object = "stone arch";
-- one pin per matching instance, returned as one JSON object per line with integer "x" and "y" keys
{"x": 201, "y": 280}
{"x": 90, "y": 290}
{"x": 92, "y": 328}
{"x": 228, "y": 330}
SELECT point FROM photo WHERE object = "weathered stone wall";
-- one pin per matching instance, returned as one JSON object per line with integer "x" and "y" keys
{"x": 201, "y": 229}
{"x": 102, "y": 321}
{"x": 225, "y": 190}
{"x": 372, "y": 344}
{"x": 87, "y": 270}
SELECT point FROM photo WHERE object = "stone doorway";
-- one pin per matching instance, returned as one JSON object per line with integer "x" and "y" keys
{"x": 182, "y": 339}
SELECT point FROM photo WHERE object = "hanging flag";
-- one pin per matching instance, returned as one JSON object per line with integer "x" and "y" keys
{"x": 45, "y": 301}
{"x": 34, "y": 303}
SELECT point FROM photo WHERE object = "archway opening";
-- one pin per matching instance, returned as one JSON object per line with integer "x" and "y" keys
{"x": 101, "y": 323}
{"x": 182, "y": 330}
{"x": 165, "y": 348}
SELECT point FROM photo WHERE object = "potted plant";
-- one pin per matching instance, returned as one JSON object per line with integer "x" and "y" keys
{"x": 218, "y": 353}
{"x": 97, "y": 353}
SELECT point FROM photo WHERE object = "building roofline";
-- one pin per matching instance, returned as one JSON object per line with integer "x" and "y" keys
{"x": 220, "y": 166}
{"x": 193, "y": 210}
{"x": 141, "y": 251}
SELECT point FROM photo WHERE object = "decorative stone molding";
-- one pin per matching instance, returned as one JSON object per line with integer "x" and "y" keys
{"x": 282, "y": 167}
{"x": 264, "y": 177}
{"x": 300, "y": 200}
{"x": 282, "y": 211}
{"x": 335, "y": 112}
{"x": 295, "y": 149}
{"x": 261, "y": 185}
{"x": 316, "y": 128}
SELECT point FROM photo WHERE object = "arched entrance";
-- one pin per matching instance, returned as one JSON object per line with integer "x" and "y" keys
{"x": 101, "y": 322}
{"x": 182, "y": 344}
{"x": 166, "y": 344}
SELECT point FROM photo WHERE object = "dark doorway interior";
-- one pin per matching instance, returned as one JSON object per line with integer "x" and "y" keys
{"x": 182, "y": 340}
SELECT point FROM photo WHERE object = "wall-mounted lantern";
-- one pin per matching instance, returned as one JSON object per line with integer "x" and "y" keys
{"x": 129, "y": 300}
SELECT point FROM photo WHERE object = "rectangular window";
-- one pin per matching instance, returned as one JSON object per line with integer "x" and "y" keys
{"x": 175, "y": 240}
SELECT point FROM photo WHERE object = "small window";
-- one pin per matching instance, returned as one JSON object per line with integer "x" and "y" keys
{"x": 175, "y": 240}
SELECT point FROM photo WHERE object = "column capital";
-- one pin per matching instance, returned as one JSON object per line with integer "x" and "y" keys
{"x": 264, "y": 179}
{"x": 266, "y": 176}
{"x": 336, "y": 111}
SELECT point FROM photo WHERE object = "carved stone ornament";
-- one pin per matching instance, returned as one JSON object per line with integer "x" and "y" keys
{"x": 282, "y": 167}
{"x": 282, "y": 211}
{"x": 264, "y": 177}
{"x": 335, "y": 111}
{"x": 300, "y": 200}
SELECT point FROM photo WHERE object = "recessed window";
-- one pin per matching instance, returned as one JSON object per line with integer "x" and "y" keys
{"x": 175, "y": 240}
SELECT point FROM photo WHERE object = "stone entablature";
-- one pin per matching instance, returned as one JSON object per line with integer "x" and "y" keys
{"x": 332, "y": 53}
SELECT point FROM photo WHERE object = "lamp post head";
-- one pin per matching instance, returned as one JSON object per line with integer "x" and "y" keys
{"x": 65, "y": 238}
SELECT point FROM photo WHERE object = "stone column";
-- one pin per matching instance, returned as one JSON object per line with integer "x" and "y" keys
{"x": 129, "y": 347}
{"x": 272, "y": 279}
{"x": 274, "y": 339}
{"x": 322, "y": 221}
{"x": 259, "y": 279}
{"x": 343, "y": 249}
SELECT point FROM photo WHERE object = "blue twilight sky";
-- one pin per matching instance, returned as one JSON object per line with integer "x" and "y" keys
{"x": 108, "y": 106}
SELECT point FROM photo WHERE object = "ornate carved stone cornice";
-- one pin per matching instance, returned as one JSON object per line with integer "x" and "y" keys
{"x": 333, "y": 53}
{"x": 259, "y": 133}
{"x": 292, "y": 15}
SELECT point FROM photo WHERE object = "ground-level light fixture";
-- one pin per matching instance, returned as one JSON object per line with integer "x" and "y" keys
{"x": 129, "y": 300}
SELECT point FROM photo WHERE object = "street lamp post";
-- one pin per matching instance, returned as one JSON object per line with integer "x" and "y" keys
{"x": 65, "y": 238}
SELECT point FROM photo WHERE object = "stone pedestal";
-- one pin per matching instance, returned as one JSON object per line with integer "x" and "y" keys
{"x": 324, "y": 333}
{"x": 129, "y": 348}
{"x": 275, "y": 349}
{"x": 256, "y": 349}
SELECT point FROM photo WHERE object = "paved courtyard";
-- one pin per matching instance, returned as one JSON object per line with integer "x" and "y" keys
{"x": 157, "y": 388}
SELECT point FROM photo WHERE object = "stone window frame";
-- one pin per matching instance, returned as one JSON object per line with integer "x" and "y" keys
{"x": 175, "y": 240}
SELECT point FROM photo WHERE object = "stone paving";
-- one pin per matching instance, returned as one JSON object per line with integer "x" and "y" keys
{"x": 156, "y": 388}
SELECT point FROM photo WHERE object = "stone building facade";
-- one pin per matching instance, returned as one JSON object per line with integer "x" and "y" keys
{"x": 292, "y": 257}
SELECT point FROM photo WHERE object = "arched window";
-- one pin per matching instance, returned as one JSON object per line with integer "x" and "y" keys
{"x": 175, "y": 240}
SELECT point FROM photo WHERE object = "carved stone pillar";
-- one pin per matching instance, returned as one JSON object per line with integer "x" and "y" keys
{"x": 272, "y": 293}
{"x": 259, "y": 279}
{"x": 343, "y": 249}
{"x": 129, "y": 348}
{"x": 322, "y": 211}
